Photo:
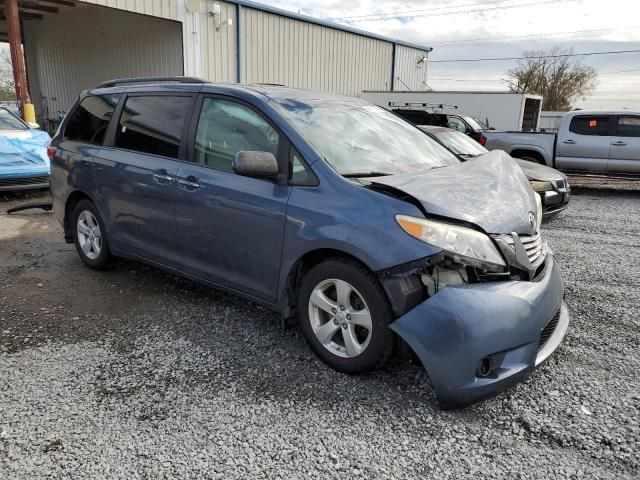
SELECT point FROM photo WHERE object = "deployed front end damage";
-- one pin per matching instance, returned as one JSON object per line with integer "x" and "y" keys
{"x": 475, "y": 340}
{"x": 488, "y": 308}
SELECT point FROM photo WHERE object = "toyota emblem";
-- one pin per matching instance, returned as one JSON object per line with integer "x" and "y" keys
{"x": 532, "y": 221}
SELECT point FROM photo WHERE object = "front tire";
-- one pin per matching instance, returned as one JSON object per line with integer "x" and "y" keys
{"x": 344, "y": 315}
{"x": 89, "y": 236}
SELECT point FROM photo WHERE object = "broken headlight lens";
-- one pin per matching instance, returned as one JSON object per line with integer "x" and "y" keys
{"x": 460, "y": 242}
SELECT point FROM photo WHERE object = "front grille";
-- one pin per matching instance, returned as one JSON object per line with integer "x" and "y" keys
{"x": 534, "y": 247}
{"x": 548, "y": 330}
{"x": 23, "y": 181}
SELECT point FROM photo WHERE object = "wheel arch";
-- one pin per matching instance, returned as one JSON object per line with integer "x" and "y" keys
{"x": 303, "y": 264}
{"x": 73, "y": 199}
{"x": 526, "y": 153}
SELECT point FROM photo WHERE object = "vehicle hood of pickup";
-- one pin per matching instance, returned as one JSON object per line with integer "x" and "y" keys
{"x": 535, "y": 171}
{"x": 488, "y": 191}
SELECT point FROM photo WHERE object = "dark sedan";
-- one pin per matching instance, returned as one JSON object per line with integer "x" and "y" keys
{"x": 551, "y": 184}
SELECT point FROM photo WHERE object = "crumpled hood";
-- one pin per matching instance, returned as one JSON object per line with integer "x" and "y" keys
{"x": 489, "y": 191}
{"x": 23, "y": 152}
{"x": 535, "y": 171}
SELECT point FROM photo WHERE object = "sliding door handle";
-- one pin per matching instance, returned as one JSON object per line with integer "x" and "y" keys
{"x": 162, "y": 176}
{"x": 189, "y": 183}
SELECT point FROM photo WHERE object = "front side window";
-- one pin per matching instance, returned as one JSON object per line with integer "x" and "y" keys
{"x": 88, "y": 123}
{"x": 628, "y": 126}
{"x": 457, "y": 124}
{"x": 360, "y": 139}
{"x": 153, "y": 124}
{"x": 226, "y": 128}
{"x": 590, "y": 125}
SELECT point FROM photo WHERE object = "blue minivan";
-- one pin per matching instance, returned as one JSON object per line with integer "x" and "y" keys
{"x": 324, "y": 208}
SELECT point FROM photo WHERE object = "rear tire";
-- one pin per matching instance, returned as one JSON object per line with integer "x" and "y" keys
{"x": 90, "y": 236}
{"x": 344, "y": 315}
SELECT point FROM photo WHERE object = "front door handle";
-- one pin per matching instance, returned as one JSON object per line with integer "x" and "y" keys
{"x": 619, "y": 144}
{"x": 189, "y": 183}
{"x": 570, "y": 142}
{"x": 162, "y": 176}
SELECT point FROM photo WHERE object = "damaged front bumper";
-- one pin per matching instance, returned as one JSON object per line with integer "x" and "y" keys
{"x": 508, "y": 326}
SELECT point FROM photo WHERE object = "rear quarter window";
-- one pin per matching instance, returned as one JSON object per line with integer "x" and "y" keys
{"x": 597, "y": 125}
{"x": 89, "y": 121}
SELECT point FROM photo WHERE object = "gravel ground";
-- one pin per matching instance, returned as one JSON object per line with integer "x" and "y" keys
{"x": 137, "y": 374}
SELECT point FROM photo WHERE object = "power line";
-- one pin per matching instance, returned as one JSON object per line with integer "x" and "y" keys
{"x": 611, "y": 52}
{"x": 448, "y": 43}
{"x": 621, "y": 71}
{"x": 392, "y": 15}
{"x": 385, "y": 14}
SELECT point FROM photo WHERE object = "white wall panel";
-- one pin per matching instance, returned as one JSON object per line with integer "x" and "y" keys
{"x": 409, "y": 74}
{"x": 278, "y": 49}
{"x": 84, "y": 45}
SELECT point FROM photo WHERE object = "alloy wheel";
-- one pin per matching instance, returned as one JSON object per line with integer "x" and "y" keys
{"x": 340, "y": 318}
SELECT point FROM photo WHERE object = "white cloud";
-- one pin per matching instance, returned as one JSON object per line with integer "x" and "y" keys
{"x": 593, "y": 25}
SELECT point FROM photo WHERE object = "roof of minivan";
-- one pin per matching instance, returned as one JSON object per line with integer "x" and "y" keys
{"x": 275, "y": 92}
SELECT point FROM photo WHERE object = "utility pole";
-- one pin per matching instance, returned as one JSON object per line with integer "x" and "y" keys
{"x": 15, "y": 46}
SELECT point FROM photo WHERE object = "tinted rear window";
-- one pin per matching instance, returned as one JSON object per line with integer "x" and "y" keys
{"x": 88, "y": 123}
{"x": 629, "y": 126}
{"x": 153, "y": 124}
{"x": 590, "y": 125}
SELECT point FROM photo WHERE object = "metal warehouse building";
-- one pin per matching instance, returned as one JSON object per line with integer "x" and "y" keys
{"x": 73, "y": 45}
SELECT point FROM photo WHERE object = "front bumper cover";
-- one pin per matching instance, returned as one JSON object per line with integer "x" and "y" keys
{"x": 454, "y": 329}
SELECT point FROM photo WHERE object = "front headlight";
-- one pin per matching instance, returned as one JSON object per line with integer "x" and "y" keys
{"x": 538, "y": 211}
{"x": 460, "y": 242}
{"x": 541, "y": 186}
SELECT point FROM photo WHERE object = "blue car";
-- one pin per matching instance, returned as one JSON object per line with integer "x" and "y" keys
{"x": 326, "y": 209}
{"x": 23, "y": 154}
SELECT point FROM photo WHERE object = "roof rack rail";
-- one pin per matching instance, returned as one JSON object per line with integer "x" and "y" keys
{"x": 177, "y": 79}
{"x": 417, "y": 105}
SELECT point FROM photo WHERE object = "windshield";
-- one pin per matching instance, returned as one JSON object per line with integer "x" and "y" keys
{"x": 9, "y": 122}
{"x": 475, "y": 123}
{"x": 460, "y": 143}
{"x": 358, "y": 139}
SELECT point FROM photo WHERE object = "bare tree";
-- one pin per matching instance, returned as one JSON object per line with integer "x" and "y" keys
{"x": 7, "y": 85}
{"x": 554, "y": 74}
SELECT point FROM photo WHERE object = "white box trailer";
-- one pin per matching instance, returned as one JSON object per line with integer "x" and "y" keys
{"x": 501, "y": 110}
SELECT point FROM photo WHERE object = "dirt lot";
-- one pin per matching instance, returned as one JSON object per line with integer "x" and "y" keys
{"x": 134, "y": 373}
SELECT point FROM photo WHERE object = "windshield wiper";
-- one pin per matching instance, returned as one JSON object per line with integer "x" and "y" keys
{"x": 366, "y": 174}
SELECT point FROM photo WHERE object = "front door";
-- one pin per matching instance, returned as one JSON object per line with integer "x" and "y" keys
{"x": 136, "y": 177}
{"x": 625, "y": 146}
{"x": 585, "y": 145}
{"x": 231, "y": 227}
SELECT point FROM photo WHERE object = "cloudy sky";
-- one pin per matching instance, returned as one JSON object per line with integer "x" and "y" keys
{"x": 464, "y": 29}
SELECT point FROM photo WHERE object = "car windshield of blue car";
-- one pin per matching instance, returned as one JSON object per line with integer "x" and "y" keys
{"x": 9, "y": 122}
{"x": 359, "y": 139}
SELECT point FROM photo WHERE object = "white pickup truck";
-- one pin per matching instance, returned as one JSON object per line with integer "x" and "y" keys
{"x": 597, "y": 142}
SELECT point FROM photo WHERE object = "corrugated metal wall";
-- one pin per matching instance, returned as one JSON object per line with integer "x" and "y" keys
{"x": 208, "y": 53}
{"x": 81, "y": 46}
{"x": 283, "y": 50}
{"x": 69, "y": 52}
{"x": 409, "y": 74}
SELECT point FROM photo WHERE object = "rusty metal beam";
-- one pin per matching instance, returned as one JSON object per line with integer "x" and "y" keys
{"x": 15, "y": 47}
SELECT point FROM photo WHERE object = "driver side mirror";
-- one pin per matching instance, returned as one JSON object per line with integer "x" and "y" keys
{"x": 256, "y": 164}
